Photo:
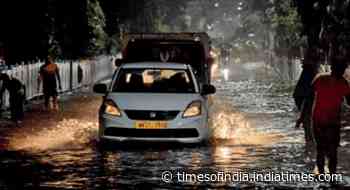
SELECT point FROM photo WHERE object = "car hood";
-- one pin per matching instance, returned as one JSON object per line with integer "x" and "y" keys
{"x": 151, "y": 101}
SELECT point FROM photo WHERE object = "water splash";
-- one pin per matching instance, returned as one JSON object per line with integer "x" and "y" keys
{"x": 233, "y": 126}
{"x": 72, "y": 132}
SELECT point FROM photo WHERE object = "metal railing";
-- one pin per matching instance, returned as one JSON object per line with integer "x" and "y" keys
{"x": 74, "y": 74}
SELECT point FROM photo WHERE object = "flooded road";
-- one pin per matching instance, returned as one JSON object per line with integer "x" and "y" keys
{"x": 252, "y": 130}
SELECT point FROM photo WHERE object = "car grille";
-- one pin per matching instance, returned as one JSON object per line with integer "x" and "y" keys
{"x": 151, "y": 115}
{"x": 151, "y": 133}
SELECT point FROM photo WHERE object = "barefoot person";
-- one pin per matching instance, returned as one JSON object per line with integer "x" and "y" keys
{"x": 49, "y": 74}
{"x": 329, "y": 90}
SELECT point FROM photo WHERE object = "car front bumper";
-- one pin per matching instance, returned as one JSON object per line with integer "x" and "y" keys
{"x": 190, "y": 130}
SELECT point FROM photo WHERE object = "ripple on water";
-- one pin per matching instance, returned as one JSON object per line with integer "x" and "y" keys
{"x": 241, "y": 140}
{"x": 67, "y": 133}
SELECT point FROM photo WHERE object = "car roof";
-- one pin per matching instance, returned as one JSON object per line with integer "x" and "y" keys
{"x": 163, "y": 65}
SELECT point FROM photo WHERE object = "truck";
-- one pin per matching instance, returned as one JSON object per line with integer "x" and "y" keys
{"x": 188, "y": 48}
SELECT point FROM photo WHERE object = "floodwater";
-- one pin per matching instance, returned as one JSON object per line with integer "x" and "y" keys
{"x": 252, "y": 131}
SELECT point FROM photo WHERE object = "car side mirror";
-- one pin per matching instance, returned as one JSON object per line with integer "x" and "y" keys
{"x": 118, "y": 62}
{"x": 100, "y": 88}
{"x": 208, "y": 89}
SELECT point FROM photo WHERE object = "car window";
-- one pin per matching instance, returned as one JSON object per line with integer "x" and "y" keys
{"x": 154, "y": 81}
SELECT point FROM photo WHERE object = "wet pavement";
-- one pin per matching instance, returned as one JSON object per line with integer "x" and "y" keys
{"x": 252, "y": 131}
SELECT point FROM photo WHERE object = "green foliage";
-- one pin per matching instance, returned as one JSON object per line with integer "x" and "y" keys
{"x": 63, "y": 28}
{"x": 96, "y": 24}
{"x": 71, "y": 29}
{"x": 161, "y": 26}
{"x": 284, "y": 20}
{"x": 169, "y": 15}
{"x": 54, "y": 49}
{"x": 326, "y": 24}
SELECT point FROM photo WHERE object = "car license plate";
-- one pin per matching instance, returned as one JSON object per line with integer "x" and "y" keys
{"x": 151, "y": 124}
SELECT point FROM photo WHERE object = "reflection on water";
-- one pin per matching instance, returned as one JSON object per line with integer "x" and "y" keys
{"x": 225, "y": 158}
{"x": 196, "y": 160}
{"x": 235, "y": 139}
{"x": 232, "y": 126}
{"x": 227, "y": 125}
{"x": 241, "y": 140}
{"x": 67, "y": 132}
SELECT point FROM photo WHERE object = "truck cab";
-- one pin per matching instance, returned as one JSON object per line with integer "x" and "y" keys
{"x": 188, "y": 48}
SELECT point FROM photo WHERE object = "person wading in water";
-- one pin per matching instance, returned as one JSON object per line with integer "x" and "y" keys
{"x": 17, "y": 95}
{"x": 303, "y": 94}
{"x": 49, "y": 74}
{"x": 329, "y": 93}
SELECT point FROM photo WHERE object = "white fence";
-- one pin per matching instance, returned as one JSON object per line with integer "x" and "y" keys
{"x": 90, "y": 72}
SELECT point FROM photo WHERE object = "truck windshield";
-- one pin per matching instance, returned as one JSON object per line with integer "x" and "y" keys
{"x": 154, "y": 81}
{"x": 188, "y": 52}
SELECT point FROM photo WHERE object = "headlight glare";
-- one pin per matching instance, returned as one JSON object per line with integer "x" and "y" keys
{"x": 111, "y": 108}
{"x": 194, "y": 109}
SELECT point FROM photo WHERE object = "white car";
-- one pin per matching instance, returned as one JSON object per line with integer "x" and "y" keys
{"x": 154, "y": 101}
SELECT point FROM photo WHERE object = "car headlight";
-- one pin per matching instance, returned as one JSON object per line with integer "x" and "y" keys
{"x": 111, "y": 108}
{"x": 194, "y": 109}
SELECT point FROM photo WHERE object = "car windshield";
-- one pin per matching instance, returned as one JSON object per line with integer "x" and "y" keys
{"x": 154, "y": 81}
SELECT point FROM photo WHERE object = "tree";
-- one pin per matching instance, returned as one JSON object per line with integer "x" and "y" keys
{"x": 326, "y": 25}
{"x": 80, "y": 28}
{"x": 96, "y": 24}
{"x": 69, "y": 29}
{"x": 123, "y": 16}
{"x": 24, "y": 29}
{"x": 286, "y": 22}
{"x": 169, "y": 15}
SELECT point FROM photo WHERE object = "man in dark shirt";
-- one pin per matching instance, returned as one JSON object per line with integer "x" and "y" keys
{"x": 16, "y": 92}
{"x": 303, "y": 97}
{"x": 329, "y": 93}
{"x": 49, "y": 74}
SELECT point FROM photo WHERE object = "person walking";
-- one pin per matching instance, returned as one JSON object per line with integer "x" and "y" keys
{"x": 329, "y": 93}
{"x": 303, "y": 94}
{"x": 304, "y": 97}
{"x": 17, "y": 94}
{"x": 49, "y": 75}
